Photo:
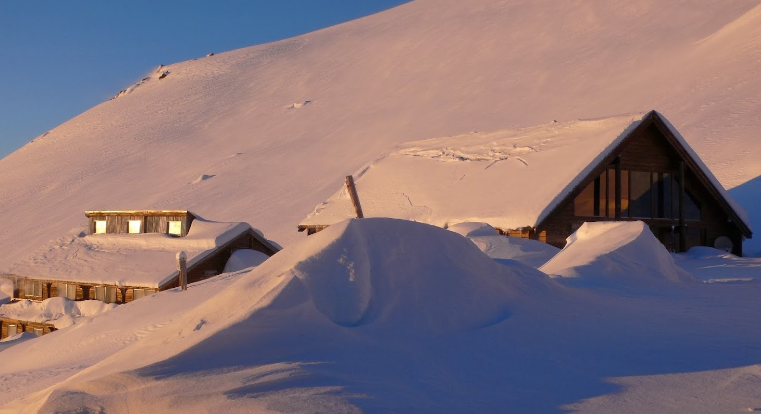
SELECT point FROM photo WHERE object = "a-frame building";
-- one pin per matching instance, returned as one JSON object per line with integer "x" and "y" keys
{"x": 629, "y": 167}
{"x": 652, "y": 175}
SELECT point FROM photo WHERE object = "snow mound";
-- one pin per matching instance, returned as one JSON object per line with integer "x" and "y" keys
{"x": 622, "y": 254}
{"x": 61, "y": 312}
{"x": 398, "y": 273}
{"x": 382, "y": 273}
{"x": 473, "y": 229}
{"x": 505, "y": 249}
{"x": 244, "y": 258}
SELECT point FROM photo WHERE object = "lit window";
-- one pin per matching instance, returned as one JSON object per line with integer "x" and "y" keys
{"x": 12, "y": 330}
{"x": 100, "y": 226}
{"x": 38, "y": 331}
{"x": 138, "y": 294}
{"x": 135, "y": 226}
{"x": 175, "y": 228}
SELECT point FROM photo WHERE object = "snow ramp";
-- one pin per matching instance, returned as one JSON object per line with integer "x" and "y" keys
{"x": 614, "y": 254}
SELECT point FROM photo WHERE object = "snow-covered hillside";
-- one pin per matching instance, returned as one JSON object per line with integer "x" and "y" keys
{"x": 230, "y": 137}
{"x": 380, "y": 315}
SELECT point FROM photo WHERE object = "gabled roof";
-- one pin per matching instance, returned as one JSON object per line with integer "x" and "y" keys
{"x": 509, "y": 179}
{"x": 145, "y": 260}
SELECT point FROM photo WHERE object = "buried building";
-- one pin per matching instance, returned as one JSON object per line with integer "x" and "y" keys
{"x": 544, "y": 182}
{"x": 126, "y": 255}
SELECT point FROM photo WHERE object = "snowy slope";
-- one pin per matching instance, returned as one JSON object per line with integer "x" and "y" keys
{"x": 221, "y": 135}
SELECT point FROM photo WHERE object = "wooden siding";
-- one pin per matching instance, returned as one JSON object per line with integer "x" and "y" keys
{"x": 23, "y": 326}
{"x": 84, "y": 291}
{"x": 214, "y": 264}
{"x": 648, "y": 150}
{"x": 153, "y": 221}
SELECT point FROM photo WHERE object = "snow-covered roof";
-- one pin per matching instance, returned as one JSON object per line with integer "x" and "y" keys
{"x": 509, "y": 178}
{"x": 147, "y": 260}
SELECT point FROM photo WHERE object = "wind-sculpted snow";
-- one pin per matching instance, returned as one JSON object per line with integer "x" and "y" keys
{"x": 505, "y": 249}
{"x": 381, "y": 315}
{"x": 400, "y": 274}
{"x": 615, "y": 254}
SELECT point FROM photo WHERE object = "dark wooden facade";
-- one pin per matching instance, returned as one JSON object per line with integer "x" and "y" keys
{"x": 152, "y": 221}
{"x": 20, "y": 326}
{"x": 699, "y": 214}
{"x": 214, "y": 263}
{"x": 211, "y": 265}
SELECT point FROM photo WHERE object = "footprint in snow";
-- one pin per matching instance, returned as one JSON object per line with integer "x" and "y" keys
{"x": 297, "y": 105}
{"x": 203, "y": 177}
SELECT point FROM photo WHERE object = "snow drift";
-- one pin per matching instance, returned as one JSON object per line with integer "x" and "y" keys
{"x": 393, "y": 274}
{"x": 378, "y": 279}
{"x": 400, "y": 273}
{"x": 244, "y": 258}
{"x": 59, "y": 311}
{"x": 614, "y": 254}
{"x": 503, "y": 249}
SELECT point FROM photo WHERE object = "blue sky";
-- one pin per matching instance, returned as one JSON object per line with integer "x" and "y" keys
{"x": 60, "y": 58}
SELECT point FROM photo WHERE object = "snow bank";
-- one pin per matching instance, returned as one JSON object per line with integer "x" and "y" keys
{"x": 402, "y": 274}
{"x": 61, "y": 312}
{"x": 244, "y": 258}
{"x": 503, "y": 249}
{"x": 614, "y": 254}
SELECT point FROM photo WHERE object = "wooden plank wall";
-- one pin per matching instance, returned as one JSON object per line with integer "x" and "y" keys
{"x": 124, "y": 294}
{"x": 119, "y": 224}
{"x": 24, "y": 326}
{"x": 648, "y": 151}
{"x": 215, "y": 263}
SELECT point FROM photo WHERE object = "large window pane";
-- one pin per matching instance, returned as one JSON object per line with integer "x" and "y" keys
{"x": 640, "y": 205}
{"x": 602, "y": 196}
{"x": 624, "y": 193}
{"x": 584, "y": 205}
{"x": 611, "y": 193}
{"x": 691, "y": 208}
{"x": 668, "y": 196}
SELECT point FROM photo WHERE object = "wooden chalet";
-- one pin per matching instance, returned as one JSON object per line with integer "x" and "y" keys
{"x": 135, "y": 251}
{"x": 622, "y": 168}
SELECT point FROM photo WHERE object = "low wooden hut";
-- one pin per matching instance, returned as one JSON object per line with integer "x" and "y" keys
{"x": 544, "y": 182}
{"x": 131, "y": 255}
